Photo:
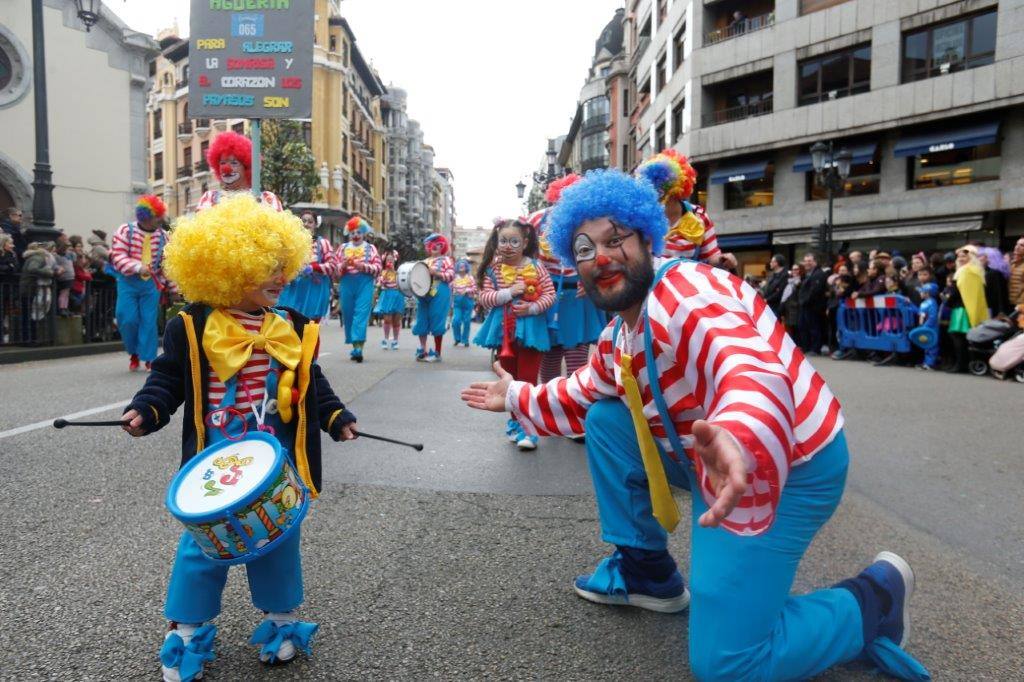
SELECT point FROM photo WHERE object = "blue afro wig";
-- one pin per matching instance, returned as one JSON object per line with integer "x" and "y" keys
{"x": 631, "y": 202}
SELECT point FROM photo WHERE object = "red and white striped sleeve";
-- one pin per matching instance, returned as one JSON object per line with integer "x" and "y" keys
{"x": 447, "y": 269}
{"x": 374, "y": 265}
{"x": 121, "y": 252}
{"x": 490, "y": 296}
{"x": 709, "y": 249}
{"x": 720, "y": 335}
{"x": 328, "y": 264}
{"x": 547, "y": 289}
{"x": 207, "y": 200}
{"x": 559, "y": 407}
{"x": 271, "y": 200}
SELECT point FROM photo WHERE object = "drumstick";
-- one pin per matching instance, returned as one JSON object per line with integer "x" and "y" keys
{"x": 61, "y": 423}
{"x": 415, "y": 446}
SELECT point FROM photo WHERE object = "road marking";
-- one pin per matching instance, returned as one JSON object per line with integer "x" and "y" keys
{"x": 49, "y": 422}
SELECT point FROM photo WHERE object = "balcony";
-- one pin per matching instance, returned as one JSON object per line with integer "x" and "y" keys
{"x": 594, "y": 123}
{"x": 738, "y": 28}
{"x": 201, "y": 168}
{"x": 220, "y": 124}
{"x": 738, "y": 113}
{"x": 641, "y": 49}
{"x": 184, "y": 130}
{"x": 202, "y": 125}
{"x": 184, "y": 171}
{"x": 592, "y": 162}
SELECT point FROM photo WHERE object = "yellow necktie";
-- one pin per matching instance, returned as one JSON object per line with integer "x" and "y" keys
{"x": 690, "y": 228}
{"x": 229, "y": 346}
{"x": 147, "y": 254}
{"x": 664, "y": 506}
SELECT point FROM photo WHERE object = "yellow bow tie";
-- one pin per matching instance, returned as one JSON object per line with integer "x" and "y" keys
{"x": 147, "y": 253}
{"x": 229, "y": 346}
{"x": 690, "y": 228}
{"x": 662, "y": 503}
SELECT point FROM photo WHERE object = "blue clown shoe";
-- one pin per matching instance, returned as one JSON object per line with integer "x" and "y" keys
{"x": 432, "y": 356}
{"x": 279, "y": 637}
{"x": 186, "y": 649}
{"x": 607, "y": 585}
{"x": 357, "y": 354}
{"x": 514, "y": 431}
{"x": 384, "y": 344}
{"x": 527, "y": 442}
{"x": 421, "y": 355}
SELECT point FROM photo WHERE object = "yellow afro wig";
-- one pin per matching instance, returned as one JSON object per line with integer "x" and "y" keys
{"x": 218, "y": 255}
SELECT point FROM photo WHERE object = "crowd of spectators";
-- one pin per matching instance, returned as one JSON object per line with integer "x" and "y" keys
{"x": 808, "y": 296}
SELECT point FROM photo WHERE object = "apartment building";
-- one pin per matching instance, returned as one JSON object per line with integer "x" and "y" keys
{"x": 925, "y": 94}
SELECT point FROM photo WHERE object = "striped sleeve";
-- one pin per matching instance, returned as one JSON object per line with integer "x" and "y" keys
{"x": 271, "y": 199}
{"x": 703, "y": 317}
{"x": 447, "y": 269}
{"x": 373, "y": 265}
{"x": 489, "y": 295}
{"x": 328, "y": 264}
{"x": 207, "y": 200}
{"x": 547, "y": 289}
{"x": 559, "y": 407}
{"x": 709, "y": 249}
{"x": 121, "y": 252}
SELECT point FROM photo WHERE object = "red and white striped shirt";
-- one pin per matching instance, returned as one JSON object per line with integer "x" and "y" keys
{"x": 323, "y": 256}
{"x": 126, "y": 257}
{"x": 364, "y": 259}
{"x": 678, "y": 247}
{"x": 506, "y": 275}
{"x": 252, "y": 377}
{"x": 464, "y": 285}
{"x": 388, "y": 279}
{"x": 212, "y": 196}
{"x": 721, "y": 356}
{"x": 443, "y": 264}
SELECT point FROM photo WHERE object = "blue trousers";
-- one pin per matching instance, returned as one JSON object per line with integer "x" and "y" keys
{"x": 432, "y": 312}
{"x": 193, "y": 596}
{"x": 356, "y": 294}
{"x": 744, "y": 624}
{"x": 138, "y": 303}
{"x": 462, "y": 316}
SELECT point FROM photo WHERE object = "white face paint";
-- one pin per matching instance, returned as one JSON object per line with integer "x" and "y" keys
{"x": 583, "y": 248}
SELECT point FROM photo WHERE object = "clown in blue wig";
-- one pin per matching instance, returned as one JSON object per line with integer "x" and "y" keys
{"x": 136, "y": 255}
{"x": 464, "y": 293}
{"x": 432, "y": 309}
{"x": 358, "y": 264}
{"x": 696, "y": 384}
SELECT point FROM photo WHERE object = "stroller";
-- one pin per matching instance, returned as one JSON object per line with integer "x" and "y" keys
{"x": 985, "y": 339}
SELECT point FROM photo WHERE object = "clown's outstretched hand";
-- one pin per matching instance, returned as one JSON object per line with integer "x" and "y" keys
{"x": 725, "y": 468}
{"x": 488, "y": 395}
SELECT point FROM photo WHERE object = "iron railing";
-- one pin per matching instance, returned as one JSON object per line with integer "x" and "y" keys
{"x": 764, "y": 106}
{"x": 29, "y": 317}
{"x": 738, "y": 28}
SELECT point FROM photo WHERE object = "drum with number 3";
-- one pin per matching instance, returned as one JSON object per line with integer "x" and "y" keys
{"x": 239, "y": 499}
{"x": 414, "y": 279}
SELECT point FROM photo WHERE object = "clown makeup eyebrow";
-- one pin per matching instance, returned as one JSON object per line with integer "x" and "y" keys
{"x": 583, "y": 248}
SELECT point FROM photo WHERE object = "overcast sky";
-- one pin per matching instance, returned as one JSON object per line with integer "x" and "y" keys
{"x": 489, "y": 81}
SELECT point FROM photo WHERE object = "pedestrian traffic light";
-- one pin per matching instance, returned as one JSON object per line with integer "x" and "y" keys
{"x": 821, "y": 238}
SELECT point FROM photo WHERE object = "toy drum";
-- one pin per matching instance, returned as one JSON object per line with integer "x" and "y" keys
{"x": 414, "y": 279}
{"x": 924, "y": 338}
{"x": 239, "y": 499}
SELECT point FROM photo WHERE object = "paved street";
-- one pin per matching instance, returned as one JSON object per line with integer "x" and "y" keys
{"x": 456, "y": 562}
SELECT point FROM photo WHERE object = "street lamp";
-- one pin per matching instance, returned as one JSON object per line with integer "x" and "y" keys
{"x": 520, "y": 188}
{"x": 88, "y": 12}
{"x": 831, "y": 169}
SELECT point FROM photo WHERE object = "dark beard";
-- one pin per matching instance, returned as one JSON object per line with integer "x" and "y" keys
{"x": 639, "y": 278}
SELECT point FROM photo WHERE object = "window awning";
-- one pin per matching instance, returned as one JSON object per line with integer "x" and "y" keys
{"x": 738, "y": 172}
{"x": 748, "y": 240}
{"x": 896, "y": 230}
{"x": 958, "y": 138}
{"x": 862, "y": 153}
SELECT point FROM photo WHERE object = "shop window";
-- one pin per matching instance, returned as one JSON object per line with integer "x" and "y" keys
{"x": 953, "y": 46}
{"x": 835, "y": 75}
{"x": 865, "y": 178}
{"x": 751, "y": 193}
{"x": 955, "y": 167}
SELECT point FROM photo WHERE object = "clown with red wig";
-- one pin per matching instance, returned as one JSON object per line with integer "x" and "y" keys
{"x": 432, "y": 309}
{"x": 137, "y": 255}
{"x": 691, "y": 233}
{"x": 230, "y": 159}
{"x": 358, "y": 263}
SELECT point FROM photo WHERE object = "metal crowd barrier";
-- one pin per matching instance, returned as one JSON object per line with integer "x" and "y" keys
{"x": 30, "y": 317}
{"x": 880, "y": 323}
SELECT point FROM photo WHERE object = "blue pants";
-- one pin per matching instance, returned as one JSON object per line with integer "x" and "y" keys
{"x": 197, "y": 582}
{"x": 744, "y": 625}
{"x": 356, "y": 294}
{"x": 432, "y": 312}
{"x": 462, "y": 315}
{"x": 138, "y": 302}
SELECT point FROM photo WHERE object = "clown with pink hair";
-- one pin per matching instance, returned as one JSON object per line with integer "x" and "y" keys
{"x": 432, "y": 309}
{"x": 137, "y": 256}
{"x": 230, "y": 160}
{"x": 358, "y": 264}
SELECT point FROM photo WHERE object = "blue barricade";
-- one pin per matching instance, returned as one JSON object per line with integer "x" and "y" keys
{"x": 879, "y": 323}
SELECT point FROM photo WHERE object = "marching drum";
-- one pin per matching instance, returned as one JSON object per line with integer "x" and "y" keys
{"x": 239, "y": 499}
{"x": 414, "y": 279}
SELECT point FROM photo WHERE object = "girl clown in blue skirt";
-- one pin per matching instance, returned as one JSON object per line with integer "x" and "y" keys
{"x": 310, "y": 292}
{"x": 432, "y": 310}
{"x": 464, "y": 290}
{"x": 358, "y": 264}
{"x": 517, "y": 290}
{"x": 229, "y": 349}
{"x": 390, "y": 301}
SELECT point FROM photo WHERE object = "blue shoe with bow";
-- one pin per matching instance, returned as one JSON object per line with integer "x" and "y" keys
{"x": 186, "y": 650}
{"x": 608, "y": 585}
{"x": 280, "y": 635}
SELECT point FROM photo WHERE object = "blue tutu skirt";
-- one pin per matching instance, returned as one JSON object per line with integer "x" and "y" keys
{"x": 309, "y": 295}
{"x": 531, "y": 331}
{"x": 573, "y": 321}
{"x": 390, "y": 302}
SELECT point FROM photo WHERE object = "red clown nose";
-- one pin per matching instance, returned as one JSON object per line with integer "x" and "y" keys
{"x": 602, "y": 261}
{"x": 226, "y": 169}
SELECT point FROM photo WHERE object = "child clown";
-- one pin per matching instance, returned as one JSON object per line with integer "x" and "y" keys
{"x": 223, "y": 353}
